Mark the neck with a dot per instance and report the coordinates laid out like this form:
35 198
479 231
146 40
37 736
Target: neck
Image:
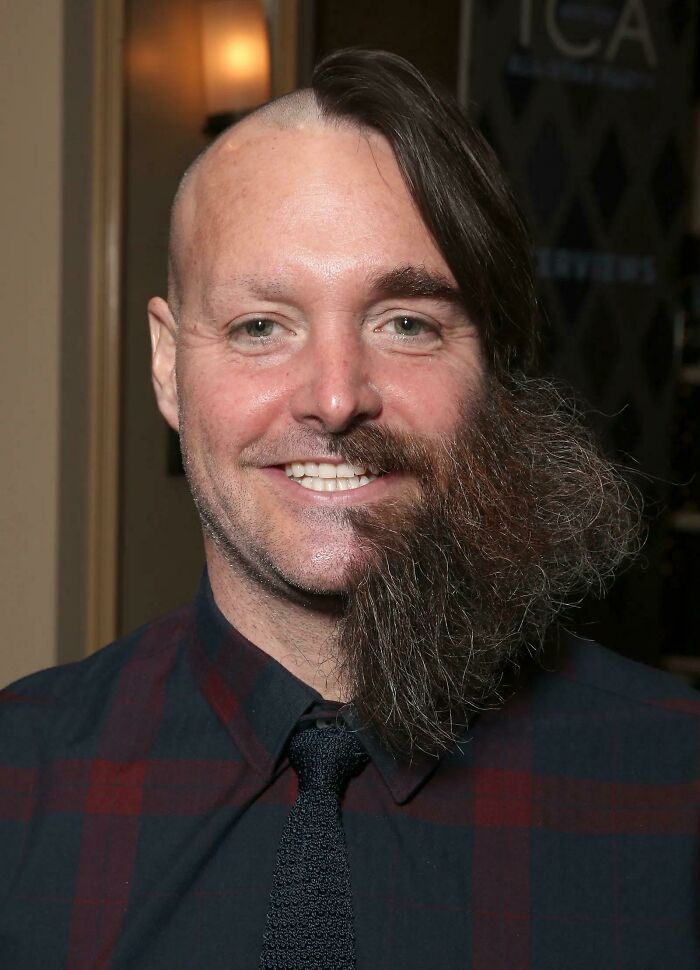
298 634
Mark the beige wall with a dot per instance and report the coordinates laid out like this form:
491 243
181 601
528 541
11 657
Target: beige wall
160 549
30 272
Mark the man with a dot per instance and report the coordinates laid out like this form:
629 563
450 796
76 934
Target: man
394 514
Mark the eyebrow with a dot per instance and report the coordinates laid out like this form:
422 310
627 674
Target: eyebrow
413 281
403 282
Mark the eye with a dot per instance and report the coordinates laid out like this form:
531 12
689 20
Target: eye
259 328
408 326
257 333
405 326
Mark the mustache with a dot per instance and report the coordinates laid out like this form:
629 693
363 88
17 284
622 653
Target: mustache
381 446
389 450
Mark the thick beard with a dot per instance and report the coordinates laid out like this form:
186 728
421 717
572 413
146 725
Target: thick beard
520 516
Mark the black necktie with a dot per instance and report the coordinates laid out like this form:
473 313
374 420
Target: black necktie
310 919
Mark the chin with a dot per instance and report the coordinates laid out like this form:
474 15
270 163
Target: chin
323 574
325 582
310 587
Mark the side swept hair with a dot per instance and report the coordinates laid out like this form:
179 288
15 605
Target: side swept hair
457 185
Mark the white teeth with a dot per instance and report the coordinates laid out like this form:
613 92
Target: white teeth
325 476
317 484
326 470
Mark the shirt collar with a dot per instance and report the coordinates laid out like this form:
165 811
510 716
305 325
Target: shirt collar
260 701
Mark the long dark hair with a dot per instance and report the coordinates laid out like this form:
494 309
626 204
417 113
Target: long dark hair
457 184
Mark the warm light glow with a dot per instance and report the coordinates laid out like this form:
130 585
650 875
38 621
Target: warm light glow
240 57
236 55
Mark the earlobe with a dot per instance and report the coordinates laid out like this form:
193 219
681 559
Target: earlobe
163 346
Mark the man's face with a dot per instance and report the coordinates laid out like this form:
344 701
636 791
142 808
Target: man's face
313 300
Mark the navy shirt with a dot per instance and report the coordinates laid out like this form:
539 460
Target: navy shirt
143 792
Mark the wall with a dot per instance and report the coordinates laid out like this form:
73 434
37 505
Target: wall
71 612
160 547
30 280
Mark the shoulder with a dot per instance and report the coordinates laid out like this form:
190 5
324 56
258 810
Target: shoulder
623 683
593 713
53 707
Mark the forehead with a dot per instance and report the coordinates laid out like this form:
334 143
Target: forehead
277 200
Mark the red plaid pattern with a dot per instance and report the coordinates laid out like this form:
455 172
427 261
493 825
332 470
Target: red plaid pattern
143 792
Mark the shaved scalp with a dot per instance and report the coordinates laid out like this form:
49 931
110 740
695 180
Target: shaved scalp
300 109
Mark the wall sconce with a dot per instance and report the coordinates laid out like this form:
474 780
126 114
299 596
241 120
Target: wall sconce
236 59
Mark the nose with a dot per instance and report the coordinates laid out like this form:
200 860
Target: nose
335 389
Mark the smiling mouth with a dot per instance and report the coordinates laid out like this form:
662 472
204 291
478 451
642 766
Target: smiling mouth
327 477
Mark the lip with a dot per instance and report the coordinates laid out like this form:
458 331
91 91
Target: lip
318 459
371 492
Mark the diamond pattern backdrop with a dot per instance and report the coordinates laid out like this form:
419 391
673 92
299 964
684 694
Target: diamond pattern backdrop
588 106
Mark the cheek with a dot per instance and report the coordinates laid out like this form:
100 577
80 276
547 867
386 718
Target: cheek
429 399
231 407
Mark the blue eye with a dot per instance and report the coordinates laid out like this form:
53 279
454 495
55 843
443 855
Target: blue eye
408 326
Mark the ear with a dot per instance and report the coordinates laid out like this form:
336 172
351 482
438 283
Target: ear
163 342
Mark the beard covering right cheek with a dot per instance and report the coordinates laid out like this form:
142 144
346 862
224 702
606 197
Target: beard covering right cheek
519 516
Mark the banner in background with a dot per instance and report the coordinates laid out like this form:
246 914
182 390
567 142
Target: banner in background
588 106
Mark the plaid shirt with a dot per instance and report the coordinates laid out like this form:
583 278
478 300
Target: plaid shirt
143 792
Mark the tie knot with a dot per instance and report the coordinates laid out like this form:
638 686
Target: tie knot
326 758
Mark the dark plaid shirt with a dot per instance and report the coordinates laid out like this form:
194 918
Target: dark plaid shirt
143 792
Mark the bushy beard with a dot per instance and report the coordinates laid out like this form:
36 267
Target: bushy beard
519 516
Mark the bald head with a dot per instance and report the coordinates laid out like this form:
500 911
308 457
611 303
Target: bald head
298 110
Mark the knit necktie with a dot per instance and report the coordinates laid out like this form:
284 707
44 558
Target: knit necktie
310 919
